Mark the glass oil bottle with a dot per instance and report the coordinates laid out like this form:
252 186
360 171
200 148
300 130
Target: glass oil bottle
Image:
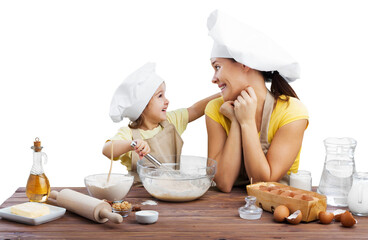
38 186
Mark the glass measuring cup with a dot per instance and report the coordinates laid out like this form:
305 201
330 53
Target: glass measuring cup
358 195
338 170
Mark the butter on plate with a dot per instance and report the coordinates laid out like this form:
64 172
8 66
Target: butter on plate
30 210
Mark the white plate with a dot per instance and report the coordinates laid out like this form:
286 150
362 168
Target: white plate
55 213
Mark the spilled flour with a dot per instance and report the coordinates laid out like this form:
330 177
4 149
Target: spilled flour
149 202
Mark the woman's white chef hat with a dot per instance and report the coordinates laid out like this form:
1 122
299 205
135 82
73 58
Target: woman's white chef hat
233 39
133 95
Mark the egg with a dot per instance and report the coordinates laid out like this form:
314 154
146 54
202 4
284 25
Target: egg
295 218
325 217
263 188
276 191
270 188
286 194
347 219
297 192
304 197
338 214
280 213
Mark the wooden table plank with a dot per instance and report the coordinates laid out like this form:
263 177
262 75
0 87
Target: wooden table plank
214 216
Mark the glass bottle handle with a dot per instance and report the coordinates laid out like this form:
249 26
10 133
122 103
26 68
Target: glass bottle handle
44 156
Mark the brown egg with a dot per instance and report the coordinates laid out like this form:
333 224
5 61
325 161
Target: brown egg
338 214
263 188
347 219
292 194
325 217
295 218
280 213
304 197
297 192
276 191
273 188
308 198
286 194
299 196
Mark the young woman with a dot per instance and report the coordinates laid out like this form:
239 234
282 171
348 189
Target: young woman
253 133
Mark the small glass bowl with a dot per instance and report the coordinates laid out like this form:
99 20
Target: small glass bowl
123 213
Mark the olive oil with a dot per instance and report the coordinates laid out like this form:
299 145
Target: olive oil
38 186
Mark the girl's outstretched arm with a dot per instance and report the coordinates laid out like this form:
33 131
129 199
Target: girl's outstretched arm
197 109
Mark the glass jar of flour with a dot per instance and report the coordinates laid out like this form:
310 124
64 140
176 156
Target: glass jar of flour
302 180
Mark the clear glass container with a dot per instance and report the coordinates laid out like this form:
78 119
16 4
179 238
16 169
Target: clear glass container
302 180
338 170
250 211
358 195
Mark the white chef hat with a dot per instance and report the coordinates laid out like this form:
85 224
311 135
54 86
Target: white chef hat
133 95
233 39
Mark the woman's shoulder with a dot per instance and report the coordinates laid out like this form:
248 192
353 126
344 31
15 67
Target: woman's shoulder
289 109
290 104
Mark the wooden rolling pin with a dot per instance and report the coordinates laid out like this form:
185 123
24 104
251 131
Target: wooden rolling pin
86 206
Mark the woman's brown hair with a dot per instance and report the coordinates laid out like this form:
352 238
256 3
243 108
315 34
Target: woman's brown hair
279 86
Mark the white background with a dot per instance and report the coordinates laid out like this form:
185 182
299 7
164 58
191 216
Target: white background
61 61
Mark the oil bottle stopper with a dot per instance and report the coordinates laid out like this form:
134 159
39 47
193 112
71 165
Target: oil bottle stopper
37 145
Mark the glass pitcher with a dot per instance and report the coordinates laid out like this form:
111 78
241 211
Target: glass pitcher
337 175
358 195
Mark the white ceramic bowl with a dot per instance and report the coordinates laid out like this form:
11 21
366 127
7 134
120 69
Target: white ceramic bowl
146 216
182 182
115 190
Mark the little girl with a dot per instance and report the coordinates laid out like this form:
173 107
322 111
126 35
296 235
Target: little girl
141 98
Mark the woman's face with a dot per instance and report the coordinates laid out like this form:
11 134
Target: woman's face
155 110
229 76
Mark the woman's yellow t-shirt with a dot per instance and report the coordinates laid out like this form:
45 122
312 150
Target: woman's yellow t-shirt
179 118
284 112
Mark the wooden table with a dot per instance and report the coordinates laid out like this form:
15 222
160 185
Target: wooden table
213 216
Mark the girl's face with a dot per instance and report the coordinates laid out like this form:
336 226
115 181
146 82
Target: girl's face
229 76
155 111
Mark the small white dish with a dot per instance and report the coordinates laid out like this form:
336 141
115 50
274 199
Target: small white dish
146 216
55 213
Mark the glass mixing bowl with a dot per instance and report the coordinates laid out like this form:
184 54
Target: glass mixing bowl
115 190
175 182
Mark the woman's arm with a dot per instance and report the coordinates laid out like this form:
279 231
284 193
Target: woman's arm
284 147
281 155
226 150
197 109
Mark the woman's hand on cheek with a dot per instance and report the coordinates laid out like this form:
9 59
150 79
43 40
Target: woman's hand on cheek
245 106
227 109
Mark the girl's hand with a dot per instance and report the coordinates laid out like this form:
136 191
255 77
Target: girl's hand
227 109
245 106
142 148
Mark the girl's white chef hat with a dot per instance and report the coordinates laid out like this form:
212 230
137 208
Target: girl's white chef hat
233 39
133 95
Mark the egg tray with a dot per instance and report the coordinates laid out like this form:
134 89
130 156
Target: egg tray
272 194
